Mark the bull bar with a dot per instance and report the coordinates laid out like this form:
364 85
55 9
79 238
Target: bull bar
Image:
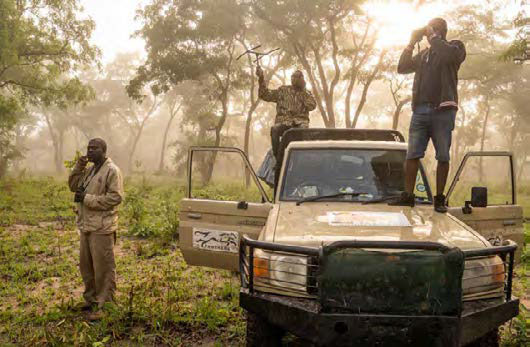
314 314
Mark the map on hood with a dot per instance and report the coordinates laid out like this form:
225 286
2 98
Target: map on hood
365 219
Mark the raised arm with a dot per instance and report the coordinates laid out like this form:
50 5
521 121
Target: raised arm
408 63
264 93
113 195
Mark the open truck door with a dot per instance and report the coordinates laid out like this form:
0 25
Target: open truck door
489 205
212 224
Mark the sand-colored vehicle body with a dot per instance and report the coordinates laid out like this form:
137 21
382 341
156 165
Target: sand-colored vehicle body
212 234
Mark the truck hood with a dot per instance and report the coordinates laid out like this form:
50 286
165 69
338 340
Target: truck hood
316 223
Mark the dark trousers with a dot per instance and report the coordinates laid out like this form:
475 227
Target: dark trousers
277 133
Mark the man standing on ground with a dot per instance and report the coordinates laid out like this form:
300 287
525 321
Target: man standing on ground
293 104
98 192
434 104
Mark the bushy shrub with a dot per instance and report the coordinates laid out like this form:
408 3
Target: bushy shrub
136 214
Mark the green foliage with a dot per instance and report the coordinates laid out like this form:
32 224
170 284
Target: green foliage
69 164
35 200
42 44
186 41
160 300
517 49
228 192
137 214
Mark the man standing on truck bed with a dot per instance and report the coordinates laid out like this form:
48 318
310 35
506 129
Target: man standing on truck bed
434 104
293 104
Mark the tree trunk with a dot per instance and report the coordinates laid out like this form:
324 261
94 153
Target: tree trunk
397 112
459 147
522 165
367 84
164 140
59 153
3 167
347 100
248 126
57 141
483 139
218 128
315 88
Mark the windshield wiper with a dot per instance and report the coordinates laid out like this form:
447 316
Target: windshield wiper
394 197
383 199
336 195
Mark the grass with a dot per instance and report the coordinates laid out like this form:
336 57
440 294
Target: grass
159 301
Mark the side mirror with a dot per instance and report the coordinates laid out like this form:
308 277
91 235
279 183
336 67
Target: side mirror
479 197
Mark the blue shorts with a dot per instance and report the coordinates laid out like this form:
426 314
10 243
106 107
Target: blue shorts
430 123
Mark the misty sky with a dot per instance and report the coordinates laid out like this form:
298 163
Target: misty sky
115 21
114 25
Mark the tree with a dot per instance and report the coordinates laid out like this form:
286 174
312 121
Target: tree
41 44
8 121
253 100
191 40
330 43
173 102
397 84
58 122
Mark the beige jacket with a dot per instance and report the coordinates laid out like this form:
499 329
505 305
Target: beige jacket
99 211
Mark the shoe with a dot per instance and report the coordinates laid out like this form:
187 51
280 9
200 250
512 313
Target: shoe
406 199
97 315
439 203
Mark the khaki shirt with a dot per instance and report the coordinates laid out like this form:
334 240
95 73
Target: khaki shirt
99 211
292 105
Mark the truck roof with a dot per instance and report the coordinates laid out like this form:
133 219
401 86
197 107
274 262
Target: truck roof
348 144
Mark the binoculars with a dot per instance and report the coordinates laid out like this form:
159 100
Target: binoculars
78 193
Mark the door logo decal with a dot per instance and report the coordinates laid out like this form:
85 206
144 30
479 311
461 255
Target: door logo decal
216 240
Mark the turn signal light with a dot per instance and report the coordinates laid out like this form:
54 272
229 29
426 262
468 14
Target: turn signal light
261 267
498 272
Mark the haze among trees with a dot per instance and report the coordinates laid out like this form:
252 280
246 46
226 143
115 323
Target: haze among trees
189 88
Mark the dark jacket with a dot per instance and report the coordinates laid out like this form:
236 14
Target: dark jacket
448 56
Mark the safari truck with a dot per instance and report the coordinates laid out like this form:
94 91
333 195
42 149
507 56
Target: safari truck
329 261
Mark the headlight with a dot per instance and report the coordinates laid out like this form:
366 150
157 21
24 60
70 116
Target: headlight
288 272
285 274
483 277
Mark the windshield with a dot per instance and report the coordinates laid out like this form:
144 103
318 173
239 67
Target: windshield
318 172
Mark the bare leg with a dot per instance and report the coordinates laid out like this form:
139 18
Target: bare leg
442 171
411 171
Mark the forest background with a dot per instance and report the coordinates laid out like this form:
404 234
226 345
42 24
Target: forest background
177 83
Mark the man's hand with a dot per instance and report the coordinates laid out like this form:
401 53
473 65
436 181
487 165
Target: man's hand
82 161
79 196
429 31
259 72
416 36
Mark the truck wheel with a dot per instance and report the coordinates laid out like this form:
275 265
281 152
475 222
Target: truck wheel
261 333
491 339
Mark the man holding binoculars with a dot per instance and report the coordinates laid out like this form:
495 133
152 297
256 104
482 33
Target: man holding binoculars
434 104
98 192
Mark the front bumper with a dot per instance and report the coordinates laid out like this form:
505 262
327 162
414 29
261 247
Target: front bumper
304 318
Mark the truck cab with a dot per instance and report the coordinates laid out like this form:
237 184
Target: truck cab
327 259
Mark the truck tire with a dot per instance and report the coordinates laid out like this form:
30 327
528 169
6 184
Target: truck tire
491 339
261 333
